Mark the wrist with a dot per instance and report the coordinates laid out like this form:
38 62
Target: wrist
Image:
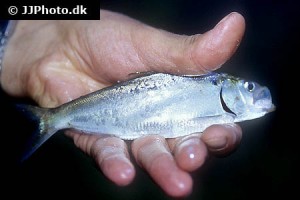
26 48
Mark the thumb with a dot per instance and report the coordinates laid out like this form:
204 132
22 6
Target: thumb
193 54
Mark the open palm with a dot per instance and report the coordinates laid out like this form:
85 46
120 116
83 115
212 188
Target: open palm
62 60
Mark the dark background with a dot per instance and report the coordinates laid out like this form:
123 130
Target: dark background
264 165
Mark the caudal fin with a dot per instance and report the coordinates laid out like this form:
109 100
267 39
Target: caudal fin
42 118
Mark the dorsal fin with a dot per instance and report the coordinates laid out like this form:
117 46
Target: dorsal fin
140 74
209 74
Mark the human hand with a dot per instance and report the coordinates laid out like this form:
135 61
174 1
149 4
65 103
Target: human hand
62 60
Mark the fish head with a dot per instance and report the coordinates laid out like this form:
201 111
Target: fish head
246 99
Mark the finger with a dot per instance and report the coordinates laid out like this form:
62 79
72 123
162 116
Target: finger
222 139
192 54
110 153
143 48
190 152
152 153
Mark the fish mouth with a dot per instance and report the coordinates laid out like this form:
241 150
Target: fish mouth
271 109
263 100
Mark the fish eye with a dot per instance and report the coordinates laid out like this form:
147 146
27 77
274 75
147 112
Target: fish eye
249 86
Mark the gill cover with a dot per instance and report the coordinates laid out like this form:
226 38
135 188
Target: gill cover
232 96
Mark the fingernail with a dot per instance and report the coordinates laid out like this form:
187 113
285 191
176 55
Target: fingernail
217 143
191 154
190 146
237 131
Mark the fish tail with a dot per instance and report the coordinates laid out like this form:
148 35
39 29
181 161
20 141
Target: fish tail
41 117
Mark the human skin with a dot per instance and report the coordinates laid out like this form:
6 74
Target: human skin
58 61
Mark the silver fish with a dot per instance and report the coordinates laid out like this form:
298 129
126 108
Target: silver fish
155 103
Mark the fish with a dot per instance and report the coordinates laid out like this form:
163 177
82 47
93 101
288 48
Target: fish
154 103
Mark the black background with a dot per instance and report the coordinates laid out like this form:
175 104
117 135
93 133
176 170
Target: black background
264 165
